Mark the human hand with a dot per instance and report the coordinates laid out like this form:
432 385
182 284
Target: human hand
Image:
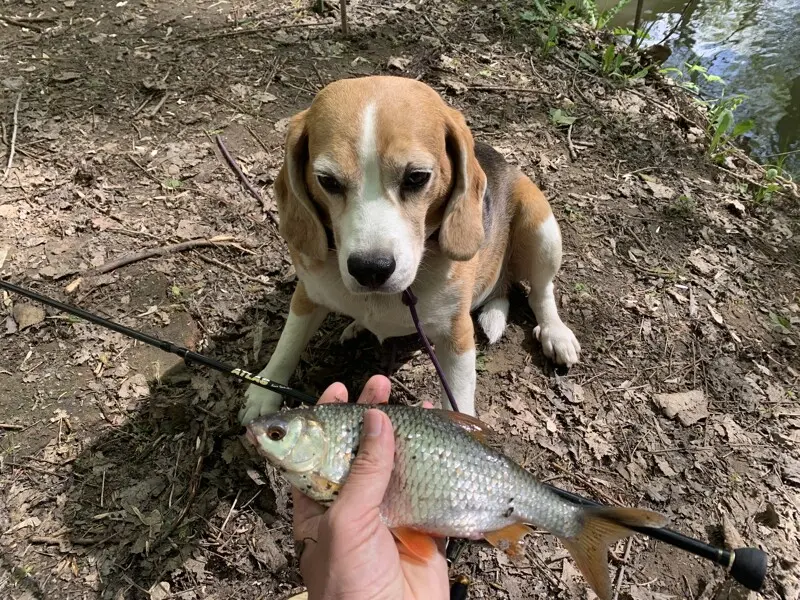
347 551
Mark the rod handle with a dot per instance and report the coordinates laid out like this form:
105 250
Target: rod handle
749 567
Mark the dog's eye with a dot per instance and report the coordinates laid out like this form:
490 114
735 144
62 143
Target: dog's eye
276 433
415 180
330 184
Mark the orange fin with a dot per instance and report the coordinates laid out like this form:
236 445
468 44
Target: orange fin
509 538
479 430
601 528
415 543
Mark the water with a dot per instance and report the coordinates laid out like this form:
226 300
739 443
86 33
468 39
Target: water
753 45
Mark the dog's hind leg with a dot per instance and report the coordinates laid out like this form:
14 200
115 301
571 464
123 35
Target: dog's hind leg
536 257
493 317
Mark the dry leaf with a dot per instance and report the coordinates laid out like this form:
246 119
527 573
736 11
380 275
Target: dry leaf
66 76
598 445
663 465
160 591
396 62
660 190
715 315
27 314
731 536
689 407
134 387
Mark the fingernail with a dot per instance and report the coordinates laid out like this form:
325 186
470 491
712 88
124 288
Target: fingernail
373 423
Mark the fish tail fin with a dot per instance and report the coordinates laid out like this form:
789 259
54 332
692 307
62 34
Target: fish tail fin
601 527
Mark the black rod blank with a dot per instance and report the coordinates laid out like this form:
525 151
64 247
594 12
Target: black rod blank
185 353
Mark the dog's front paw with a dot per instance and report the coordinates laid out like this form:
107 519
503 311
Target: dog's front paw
351 332
558 342
259 402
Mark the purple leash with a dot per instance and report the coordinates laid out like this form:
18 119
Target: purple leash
410 300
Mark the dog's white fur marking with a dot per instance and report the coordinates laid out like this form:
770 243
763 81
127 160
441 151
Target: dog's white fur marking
351 332
558 341
493 318
372 222
294 338
459 369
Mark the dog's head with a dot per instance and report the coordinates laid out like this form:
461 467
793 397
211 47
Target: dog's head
384 163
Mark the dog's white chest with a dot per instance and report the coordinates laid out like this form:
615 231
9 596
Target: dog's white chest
385 315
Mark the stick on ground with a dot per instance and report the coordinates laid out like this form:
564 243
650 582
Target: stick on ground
222 240
13 145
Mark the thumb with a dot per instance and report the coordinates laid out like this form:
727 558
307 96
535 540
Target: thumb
372 468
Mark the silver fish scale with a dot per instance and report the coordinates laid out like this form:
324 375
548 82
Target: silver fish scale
445 481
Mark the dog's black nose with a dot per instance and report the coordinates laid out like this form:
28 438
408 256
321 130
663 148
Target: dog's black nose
371 270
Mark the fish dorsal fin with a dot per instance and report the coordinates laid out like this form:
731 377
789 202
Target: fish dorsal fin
472 425
509 538
415 543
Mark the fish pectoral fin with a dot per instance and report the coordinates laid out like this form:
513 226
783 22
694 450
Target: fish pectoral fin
509 538
601 528
415 543
475 427
324 486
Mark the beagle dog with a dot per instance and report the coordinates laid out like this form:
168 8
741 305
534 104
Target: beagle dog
383 188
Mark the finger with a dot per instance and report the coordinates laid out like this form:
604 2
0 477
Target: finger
427 404
335 393
371 469
376 391
305 516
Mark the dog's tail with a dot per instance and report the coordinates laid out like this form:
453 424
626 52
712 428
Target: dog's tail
492 318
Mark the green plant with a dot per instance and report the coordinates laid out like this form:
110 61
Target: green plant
612 62
560 118
683 207
769 183
722 125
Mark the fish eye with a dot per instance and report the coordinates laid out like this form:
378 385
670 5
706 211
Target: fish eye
276 433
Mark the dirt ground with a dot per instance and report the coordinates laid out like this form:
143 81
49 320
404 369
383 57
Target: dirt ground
121 473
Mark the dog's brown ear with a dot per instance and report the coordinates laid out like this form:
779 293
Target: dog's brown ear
300 224
461 233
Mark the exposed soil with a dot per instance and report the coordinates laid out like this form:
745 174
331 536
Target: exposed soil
121 473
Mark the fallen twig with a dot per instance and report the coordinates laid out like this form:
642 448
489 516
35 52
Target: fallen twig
227 518
219 263
11 427
13 145
222 240
621 572
236 169
24 23
243 178
57 541
343 11
506 88
264 29
573 154
194 483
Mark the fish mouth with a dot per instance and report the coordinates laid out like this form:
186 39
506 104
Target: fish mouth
251 437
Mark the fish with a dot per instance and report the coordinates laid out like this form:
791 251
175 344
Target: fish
447 481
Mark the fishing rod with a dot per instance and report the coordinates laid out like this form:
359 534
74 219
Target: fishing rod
748 566
185 353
